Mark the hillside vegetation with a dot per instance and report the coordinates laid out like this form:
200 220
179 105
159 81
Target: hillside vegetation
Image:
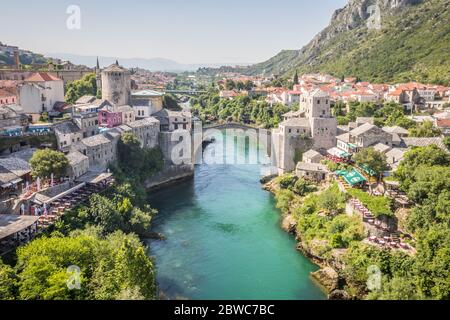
412 44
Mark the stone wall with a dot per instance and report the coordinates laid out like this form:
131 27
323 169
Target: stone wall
170 174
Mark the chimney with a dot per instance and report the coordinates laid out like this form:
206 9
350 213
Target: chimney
16 59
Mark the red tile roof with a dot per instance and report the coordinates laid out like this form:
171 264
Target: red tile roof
443 123
7 93
41 77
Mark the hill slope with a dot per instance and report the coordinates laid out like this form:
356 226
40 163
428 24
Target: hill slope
412 44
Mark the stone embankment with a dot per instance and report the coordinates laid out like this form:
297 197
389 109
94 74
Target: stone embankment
169 175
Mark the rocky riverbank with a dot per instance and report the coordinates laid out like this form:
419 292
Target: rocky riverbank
329 276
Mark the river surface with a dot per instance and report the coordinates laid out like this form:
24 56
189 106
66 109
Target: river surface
224 240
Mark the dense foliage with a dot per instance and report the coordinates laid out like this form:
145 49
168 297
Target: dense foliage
134 162
424 175
211 108
78 88
389 114
378 205
423 274
170 102
425 130
46 162
108 268
322 224
373 159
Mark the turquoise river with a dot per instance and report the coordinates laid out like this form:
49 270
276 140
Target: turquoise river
224 241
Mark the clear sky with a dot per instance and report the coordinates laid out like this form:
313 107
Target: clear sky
188 31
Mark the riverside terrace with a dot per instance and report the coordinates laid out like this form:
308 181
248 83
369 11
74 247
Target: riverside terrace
17 230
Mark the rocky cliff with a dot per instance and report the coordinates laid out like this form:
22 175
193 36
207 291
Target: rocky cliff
378 40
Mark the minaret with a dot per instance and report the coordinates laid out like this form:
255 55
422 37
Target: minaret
98 77
16 59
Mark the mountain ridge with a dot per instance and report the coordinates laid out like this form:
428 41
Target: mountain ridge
152 64
411 44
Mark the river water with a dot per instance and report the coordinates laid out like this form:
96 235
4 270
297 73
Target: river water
224 240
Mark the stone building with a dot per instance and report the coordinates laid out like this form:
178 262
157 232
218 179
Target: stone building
147 131
12 117
87 123
78 164
174 120
368 135
67 134
127 113
146 102
312 156
100 151
116 85
312 171
313 127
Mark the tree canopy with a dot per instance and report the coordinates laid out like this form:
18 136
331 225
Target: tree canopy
425 130
78 88
46 161
108 267
372 158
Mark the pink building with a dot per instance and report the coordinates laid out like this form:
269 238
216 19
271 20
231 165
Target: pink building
109 118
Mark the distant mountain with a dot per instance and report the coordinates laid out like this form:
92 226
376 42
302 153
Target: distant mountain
152 64
413 43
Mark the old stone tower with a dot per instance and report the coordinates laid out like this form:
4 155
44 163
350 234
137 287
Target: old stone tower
116 85
313 127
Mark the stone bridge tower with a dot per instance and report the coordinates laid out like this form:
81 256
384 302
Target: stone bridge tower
116 85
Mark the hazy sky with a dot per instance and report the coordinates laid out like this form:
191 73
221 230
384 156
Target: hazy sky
188 31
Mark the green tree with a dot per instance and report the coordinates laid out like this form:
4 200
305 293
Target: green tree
170 102
296 78
45 162
78 88
302 187
430 156
425 130
8 282
373 159
331 200
447 142
108 267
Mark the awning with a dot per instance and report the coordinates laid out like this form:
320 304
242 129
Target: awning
338 153
12 224
368 170
353 177
16 181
